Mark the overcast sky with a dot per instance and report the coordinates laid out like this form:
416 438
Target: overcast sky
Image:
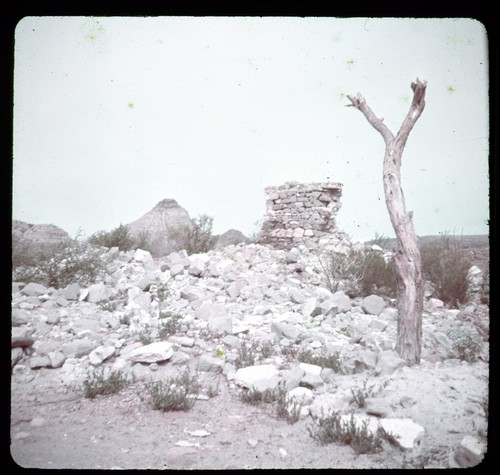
114 114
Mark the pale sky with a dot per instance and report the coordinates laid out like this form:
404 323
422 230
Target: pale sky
114 114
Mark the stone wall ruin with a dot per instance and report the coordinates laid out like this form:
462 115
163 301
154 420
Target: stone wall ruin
303 213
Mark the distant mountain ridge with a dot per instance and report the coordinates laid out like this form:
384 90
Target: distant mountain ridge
473 241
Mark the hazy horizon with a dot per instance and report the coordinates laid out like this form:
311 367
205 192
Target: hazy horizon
114 114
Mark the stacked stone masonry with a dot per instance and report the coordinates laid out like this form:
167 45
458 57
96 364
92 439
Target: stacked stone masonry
303 213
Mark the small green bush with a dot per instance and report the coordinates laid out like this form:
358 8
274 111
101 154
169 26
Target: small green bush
360 395
119 237
333 429
174 394
245 356
100 382
145 336
57 265
254 397
286 409
446 265
197 238
323 359
170 324
466 343
359 273
160 290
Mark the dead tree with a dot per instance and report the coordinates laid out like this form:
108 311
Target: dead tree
407 260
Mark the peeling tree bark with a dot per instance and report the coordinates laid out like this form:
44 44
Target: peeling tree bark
407 260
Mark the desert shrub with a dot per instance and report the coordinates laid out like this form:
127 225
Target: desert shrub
360 395
100 382
359 273
323 359
379 276
446 265
174 394
245 356
119 237
342 271
466 343
286 409
160 290
170 324
334 429
197 238
57 265
254 396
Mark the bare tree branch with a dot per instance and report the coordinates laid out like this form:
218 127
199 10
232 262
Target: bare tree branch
407 256
360 103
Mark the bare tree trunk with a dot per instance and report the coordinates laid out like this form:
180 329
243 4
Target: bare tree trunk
410 293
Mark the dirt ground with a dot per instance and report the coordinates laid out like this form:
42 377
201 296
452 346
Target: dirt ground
54 427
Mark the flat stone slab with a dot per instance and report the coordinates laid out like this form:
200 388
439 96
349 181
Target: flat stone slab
152 353
406 432
250 375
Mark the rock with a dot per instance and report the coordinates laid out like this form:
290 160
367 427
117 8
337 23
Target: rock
176 269
71 292
56 359
326 404
100 354
252 442
250 375
143 256
78 348
98 293
179 357
210 363
341 301
152 353
19 317
37 362
291 377
21 341
85 324
38 422
470 452
232 340
433 304
373 304
16 355
329 307
377 406
389 313
181 340
34 289
216 315
234 289
300 395
356 330
388 361
407 433
62 302
311 308
196 268
297 296
191 293
286 330
378 325
138 299
363 360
